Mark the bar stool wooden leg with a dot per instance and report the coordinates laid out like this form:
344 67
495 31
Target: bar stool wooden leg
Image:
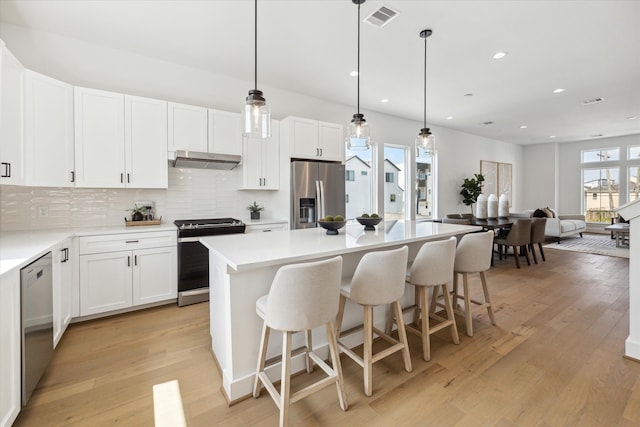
285 379
424 308
337 367
487 299
449 307
402 337
264 340
338 325
309 344
467 304
368 349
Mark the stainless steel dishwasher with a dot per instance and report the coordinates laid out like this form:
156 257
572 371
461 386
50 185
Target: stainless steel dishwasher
36 296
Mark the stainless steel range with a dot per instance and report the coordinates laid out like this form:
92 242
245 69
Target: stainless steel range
193 257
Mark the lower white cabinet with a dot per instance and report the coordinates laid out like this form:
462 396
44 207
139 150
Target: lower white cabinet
9 347
64 263
262 228
125 270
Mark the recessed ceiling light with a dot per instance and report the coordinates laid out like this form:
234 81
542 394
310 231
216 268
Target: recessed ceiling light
552 136
487 123
592 101
450 118
468 94
523 127
353 74
559 90
384 100
499 55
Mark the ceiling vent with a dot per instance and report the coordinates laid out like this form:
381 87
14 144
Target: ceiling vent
592 101
381 16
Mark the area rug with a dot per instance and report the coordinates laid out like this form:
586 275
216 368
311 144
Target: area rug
599 244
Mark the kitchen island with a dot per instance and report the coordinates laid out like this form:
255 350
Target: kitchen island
242 267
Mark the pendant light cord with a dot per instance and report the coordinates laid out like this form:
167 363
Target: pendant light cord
358 58
255 52
425 82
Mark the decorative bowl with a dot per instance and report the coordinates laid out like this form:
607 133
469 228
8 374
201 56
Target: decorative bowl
369 223
333 226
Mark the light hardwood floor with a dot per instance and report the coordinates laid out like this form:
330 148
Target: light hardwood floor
554 359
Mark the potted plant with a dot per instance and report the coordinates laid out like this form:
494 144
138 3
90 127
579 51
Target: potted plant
471 189
255 210
137 213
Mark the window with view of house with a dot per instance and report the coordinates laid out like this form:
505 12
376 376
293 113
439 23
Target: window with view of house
395 160
424 185
358 183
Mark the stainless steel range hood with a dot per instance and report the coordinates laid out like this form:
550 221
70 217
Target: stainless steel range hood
193 159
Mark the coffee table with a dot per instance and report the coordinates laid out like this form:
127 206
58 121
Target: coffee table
621 233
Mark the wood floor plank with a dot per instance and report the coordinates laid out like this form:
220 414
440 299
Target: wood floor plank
554 358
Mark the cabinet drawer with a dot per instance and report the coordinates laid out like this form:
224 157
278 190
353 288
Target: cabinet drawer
121 242
265 228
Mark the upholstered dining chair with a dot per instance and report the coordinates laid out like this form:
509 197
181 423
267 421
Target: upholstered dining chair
519 237
537 236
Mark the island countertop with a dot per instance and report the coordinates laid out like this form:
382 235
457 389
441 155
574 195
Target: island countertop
251 251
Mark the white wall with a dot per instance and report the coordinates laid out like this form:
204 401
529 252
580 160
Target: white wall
540 180
86 64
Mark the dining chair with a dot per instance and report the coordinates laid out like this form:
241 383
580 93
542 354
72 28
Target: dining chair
518 237
537 236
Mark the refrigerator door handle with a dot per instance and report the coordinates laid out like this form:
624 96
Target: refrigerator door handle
319 207
322 205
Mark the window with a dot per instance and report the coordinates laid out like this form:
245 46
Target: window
346 198
388 176
364 173
424 187
604 187
395 201
350 175
392 198
634 183
601 155
634 152
358 192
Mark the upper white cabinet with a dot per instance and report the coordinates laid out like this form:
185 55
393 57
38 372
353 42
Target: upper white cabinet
187 127
48 131
312 139
121 141
225 133
261 161
11 118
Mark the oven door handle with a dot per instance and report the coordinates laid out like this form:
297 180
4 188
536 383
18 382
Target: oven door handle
188 239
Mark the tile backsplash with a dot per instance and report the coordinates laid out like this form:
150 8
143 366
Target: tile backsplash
192 193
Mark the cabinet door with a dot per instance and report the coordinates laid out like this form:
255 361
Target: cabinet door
155 275
271 159
252 163
303 137
331 141
187 127
225 134
11 119
99 134
105 282
62 273
10 393
48 132
145 142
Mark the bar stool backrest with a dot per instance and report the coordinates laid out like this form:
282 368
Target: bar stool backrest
433 264
474 251
304 296
380 277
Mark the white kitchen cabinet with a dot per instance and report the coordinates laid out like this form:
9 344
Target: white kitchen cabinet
265 228
187 127
10 393
120 141
145 128
225 133
261 161
48 131
126 270
63 282
11 118
312 139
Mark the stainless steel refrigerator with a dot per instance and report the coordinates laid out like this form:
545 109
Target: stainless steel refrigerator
317 190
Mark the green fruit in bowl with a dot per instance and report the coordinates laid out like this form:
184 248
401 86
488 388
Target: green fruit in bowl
364 215
338 218
328 218
375 215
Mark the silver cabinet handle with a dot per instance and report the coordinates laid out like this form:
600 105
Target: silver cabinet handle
128 179
128 261
132 241
7 170
135 260
73 176
122 178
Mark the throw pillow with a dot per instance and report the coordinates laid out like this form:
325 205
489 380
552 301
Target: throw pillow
539 213
554 214
548 212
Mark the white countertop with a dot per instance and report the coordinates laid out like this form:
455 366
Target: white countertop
19 248
248 251
264 221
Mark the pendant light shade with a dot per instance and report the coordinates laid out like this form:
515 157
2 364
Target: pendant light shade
358 138
256 114
425 142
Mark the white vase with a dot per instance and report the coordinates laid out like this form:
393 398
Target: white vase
481 207
492 206
503 206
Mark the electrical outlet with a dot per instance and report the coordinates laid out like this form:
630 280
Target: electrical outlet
43 211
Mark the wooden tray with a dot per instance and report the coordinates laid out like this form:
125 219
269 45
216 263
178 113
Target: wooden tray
138 223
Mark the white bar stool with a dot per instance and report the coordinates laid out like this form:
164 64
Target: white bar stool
302 297
473 255
379 279
432 268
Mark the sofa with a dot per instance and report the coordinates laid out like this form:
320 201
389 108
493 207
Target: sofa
558 226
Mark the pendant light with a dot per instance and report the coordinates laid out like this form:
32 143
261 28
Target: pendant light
358 128
256 114
425 142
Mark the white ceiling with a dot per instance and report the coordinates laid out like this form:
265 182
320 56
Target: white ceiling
591 48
